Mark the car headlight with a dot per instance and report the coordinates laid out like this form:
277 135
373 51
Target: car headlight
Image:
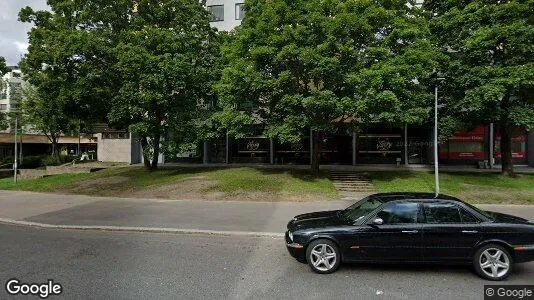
290 235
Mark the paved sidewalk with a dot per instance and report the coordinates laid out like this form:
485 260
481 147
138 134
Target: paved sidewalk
258 217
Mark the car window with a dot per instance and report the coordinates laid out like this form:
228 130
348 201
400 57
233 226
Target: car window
468 217
484 213
438 213
361 209
399 213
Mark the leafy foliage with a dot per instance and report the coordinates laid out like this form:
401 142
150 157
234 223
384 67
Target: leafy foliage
3 69
45 115
488 59
316 64
138 64
165 61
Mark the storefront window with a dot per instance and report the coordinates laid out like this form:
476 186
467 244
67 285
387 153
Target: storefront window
465 146
251 149
293 153
379 148
519 146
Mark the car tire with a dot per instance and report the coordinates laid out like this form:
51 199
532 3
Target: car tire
302 260
323 256
493 262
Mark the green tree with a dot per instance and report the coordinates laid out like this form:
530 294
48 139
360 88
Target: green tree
41 111
3 67
165 61
301 64
3 70
71 49
488 60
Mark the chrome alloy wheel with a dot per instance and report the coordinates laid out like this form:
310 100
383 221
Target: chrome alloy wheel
494 262
323 257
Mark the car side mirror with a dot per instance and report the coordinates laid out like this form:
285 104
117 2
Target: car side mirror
378 221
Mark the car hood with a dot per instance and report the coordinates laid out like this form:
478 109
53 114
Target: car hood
315 219
505 218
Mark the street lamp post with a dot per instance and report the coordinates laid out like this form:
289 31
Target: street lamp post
436 157
15 165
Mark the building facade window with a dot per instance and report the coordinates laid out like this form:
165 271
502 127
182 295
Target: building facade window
239 11
115 135
216 13
3 107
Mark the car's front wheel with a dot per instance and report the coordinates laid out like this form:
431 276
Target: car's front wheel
493 262
323 256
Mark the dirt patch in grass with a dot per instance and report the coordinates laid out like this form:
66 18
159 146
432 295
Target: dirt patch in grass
189 188
237 184
198 188
97 185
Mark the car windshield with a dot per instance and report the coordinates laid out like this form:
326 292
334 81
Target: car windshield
360 209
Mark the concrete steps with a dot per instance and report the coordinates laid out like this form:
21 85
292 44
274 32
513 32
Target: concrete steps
352 185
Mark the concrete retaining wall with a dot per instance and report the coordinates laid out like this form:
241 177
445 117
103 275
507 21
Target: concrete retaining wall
38 173
114 150
6 173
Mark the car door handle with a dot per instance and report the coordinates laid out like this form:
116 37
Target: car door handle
469 231
410 231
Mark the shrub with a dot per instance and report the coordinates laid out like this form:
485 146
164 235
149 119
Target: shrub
51 161
31 162
8 160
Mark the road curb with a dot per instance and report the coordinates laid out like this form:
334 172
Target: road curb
141 229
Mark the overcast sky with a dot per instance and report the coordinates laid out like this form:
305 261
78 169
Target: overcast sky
13 34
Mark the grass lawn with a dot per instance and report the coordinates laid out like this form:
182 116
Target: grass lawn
214 184
253 184
471 187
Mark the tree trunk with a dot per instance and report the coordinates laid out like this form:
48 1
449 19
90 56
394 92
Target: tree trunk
506 150
55 148
506 137
144 149
316 157
155 155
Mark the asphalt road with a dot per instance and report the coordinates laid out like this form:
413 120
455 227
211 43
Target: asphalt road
258 216
128 265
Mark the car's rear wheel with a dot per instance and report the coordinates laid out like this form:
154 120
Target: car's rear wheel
493 262
323 256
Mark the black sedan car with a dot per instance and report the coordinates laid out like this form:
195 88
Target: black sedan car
412 227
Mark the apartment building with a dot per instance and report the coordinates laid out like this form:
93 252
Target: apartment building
226 14
30 141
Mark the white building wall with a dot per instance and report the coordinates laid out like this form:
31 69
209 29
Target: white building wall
229 21
13 77
6 95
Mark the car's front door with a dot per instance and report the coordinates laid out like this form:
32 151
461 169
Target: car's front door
398 238
449 232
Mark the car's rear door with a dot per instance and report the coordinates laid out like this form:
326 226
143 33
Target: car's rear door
397 239
446 237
